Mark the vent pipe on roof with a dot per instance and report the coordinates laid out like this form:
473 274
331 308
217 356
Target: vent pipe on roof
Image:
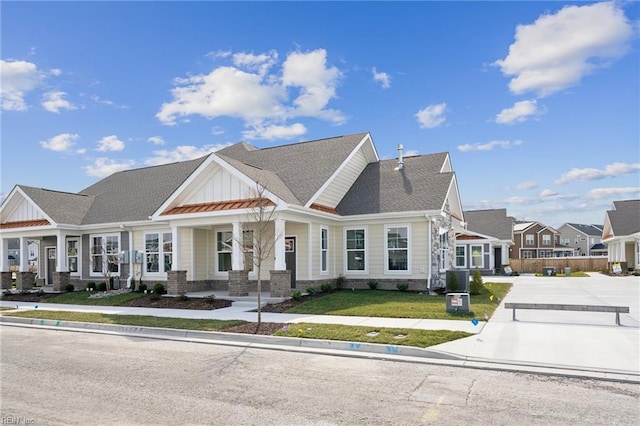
400 165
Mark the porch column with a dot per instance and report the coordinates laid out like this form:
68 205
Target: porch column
24 254
4 255
505 254
61 248
236 248
280 264
176 237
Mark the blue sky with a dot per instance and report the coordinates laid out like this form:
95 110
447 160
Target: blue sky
538 103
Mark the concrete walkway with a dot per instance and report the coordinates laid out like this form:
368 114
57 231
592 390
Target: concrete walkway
542 341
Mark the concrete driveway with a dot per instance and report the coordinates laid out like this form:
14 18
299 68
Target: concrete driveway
562 339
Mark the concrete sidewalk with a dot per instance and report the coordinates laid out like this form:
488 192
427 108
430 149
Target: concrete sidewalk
576 343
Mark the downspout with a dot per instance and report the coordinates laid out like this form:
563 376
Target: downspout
131 255
429 252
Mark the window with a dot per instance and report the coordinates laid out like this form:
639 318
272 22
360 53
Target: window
443 257
72 255
528 239
158 256
477 260
541 254
546 240
461 257
224 248
247 249
397 246
104 254
526 254
356 249
324 250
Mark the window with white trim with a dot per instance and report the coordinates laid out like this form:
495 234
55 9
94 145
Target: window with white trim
104 254
528 239
461 256
397 248
443 256
324 250
247 249
73 250
546 240
527 254
356 249
541 254
158 248
224 248
477 257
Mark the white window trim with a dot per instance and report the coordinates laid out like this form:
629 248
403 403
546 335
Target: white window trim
464 257
546 239
364 271
253 272
161 272
217 270
78 255
104 237
325 271
386 249
481 266
526 239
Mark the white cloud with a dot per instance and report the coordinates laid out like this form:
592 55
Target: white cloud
383 78
110 143
181 153
55 72
624 192
547 193
557 50
156 140
103 167
489 146
100 100
518 113
432 116
249 91
54 102
526 185
60 143
275 132
17 78
611 170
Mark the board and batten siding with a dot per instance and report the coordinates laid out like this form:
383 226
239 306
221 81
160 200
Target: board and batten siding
24 211
216 184
336 190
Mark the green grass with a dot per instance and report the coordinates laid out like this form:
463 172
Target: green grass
395 304
137 320
5 308
412 337
82 298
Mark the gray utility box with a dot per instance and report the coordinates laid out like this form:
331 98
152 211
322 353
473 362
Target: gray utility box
458 302
549 271
462 276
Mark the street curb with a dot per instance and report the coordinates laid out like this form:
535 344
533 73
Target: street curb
327 347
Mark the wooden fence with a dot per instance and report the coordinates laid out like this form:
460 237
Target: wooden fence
583 264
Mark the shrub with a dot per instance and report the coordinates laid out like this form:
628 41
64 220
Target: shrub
158 288
476 282
155 296
211 299
311 290
373 284
326 287
452 281
339 282
69 288
102 287
183 296
91 285
296 295
142 288
402 286
133 285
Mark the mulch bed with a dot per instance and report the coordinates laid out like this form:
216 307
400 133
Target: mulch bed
166 302
27 297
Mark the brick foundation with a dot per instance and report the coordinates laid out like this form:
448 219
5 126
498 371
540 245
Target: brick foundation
60 281
25 280
176 282
6 282
239 283
280 284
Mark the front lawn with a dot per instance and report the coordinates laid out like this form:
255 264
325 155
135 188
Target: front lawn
397 304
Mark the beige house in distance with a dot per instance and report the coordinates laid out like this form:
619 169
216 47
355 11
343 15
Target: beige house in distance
339 211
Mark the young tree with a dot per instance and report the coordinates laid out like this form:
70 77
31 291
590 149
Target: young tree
105 260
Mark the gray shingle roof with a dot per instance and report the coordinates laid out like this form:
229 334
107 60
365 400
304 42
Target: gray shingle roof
382 189
63 207
302 167
625 218
133 195
587 229
491 222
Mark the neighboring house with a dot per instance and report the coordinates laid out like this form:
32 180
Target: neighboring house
621 234
583 240
486 241
340 211
534 240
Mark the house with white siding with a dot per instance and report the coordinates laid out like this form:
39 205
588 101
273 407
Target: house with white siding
338 211
621 234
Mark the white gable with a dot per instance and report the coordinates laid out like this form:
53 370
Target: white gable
215 184
20 209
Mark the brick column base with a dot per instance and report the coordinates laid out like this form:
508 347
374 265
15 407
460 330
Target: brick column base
60 281
6 282
238 283
25 280
280 285
176 282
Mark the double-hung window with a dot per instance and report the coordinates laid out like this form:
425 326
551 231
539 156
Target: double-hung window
73 250
104 254
397 248
461 256
443 255
158 251
546 240
528 239
477 257
224 246
324 250
248 250
356 249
